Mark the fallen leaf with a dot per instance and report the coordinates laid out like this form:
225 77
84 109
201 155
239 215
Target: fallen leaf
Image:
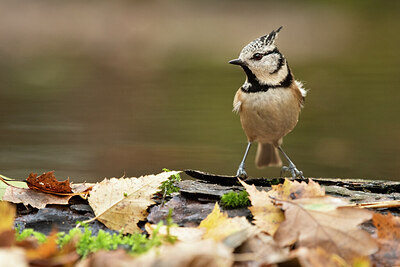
388 230
266 215
45 250
183 234
34 198
201 253
7 233
81 188
48 183
121 203
314 222
218 226
290 190
7 215
310 257
104 258
261 249
13 256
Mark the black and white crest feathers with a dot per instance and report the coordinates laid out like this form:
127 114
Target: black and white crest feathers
263 41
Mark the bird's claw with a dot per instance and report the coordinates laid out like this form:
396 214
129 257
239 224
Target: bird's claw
241 173
293 170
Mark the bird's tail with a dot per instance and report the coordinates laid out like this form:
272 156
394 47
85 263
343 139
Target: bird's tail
267 155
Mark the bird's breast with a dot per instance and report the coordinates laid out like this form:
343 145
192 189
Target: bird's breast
268 116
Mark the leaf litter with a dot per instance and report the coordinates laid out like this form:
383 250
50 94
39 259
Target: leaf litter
293 223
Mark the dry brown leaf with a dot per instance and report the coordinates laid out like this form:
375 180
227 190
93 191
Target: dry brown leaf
13 256
104 258
266 215
291 190
81 188
218 226
45 250
34 198
310 257
201 253
314 222
388 230
183 234
121 203
48 183
262 249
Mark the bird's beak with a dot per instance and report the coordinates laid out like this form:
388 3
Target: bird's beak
236 62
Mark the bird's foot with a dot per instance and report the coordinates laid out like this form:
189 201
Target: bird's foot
293 170
241 173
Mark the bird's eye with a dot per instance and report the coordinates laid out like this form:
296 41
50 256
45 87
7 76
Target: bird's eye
257 56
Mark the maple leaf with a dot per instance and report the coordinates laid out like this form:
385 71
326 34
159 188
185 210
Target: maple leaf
267 216
388 230
218 226
48 183
34 198
323 222
121 203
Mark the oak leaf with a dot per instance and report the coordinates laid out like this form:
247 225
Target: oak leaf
322 222
388 230
121 203
48 183
218 226
267 216
34 198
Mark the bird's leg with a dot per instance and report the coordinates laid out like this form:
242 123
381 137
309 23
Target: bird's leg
292 168
241 173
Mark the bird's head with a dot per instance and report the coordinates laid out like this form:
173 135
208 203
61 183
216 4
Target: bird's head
262 61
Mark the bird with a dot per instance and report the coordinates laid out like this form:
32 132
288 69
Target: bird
268 103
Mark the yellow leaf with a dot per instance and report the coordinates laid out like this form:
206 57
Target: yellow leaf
121 203
184 234
218 226
7 215
266 215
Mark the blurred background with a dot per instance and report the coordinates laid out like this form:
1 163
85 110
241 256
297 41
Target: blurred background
95 89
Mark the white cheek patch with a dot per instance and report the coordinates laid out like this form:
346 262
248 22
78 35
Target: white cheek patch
300 85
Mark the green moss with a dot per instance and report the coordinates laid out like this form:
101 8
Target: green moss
233 200
22 235
168 187
87 243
